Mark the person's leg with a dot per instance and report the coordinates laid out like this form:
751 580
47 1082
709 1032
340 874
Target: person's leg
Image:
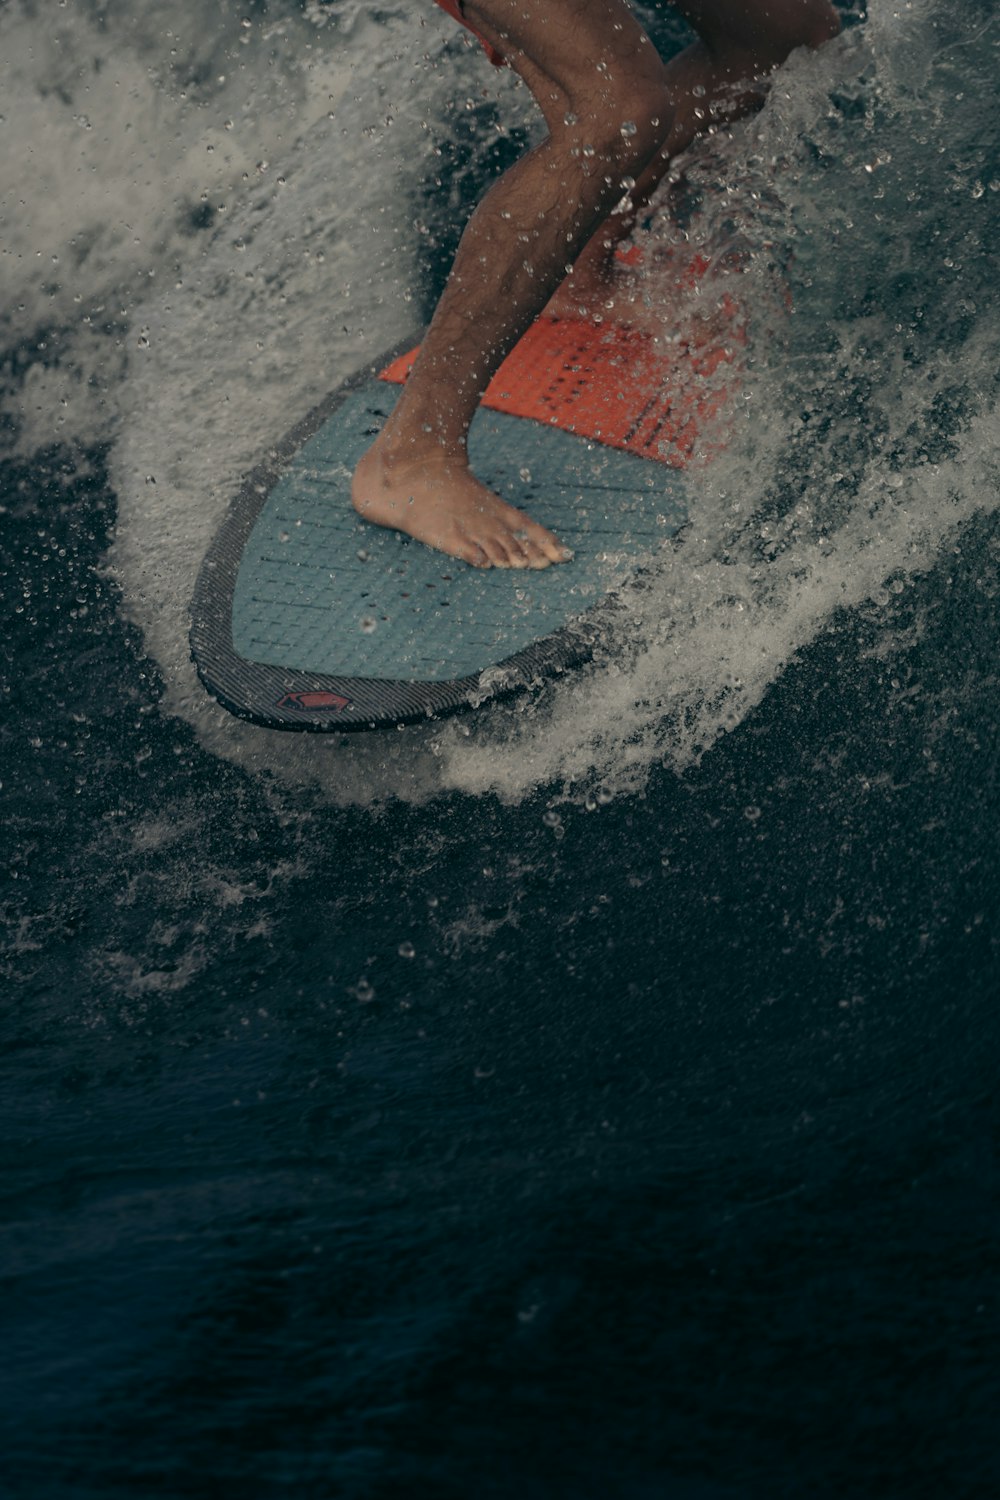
720 77
612 109
600 86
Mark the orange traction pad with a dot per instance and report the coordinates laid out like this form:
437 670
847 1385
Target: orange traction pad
616 384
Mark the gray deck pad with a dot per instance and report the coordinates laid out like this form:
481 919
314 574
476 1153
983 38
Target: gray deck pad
307 617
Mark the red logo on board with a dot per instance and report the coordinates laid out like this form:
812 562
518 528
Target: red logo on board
314 702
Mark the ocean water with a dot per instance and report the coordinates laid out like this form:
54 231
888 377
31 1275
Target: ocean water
590 1097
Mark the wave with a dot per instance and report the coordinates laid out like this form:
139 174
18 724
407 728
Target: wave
237 216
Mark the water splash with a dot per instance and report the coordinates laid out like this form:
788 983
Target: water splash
237 209
868 435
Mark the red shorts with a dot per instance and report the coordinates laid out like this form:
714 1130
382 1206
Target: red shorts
454 9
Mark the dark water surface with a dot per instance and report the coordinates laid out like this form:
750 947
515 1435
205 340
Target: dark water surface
608 1138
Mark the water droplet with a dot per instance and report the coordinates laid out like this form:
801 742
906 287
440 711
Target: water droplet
629 127
363 991
571 119
751 814
406 950
977 189
362 555
551 818
524 474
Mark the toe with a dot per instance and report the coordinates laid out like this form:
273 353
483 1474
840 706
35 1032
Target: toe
537 557
495 550
550 547
518 548
469 551
538 545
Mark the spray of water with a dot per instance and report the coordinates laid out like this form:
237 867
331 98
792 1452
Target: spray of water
866 427
216 226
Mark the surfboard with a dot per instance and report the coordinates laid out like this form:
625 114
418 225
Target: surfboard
306 617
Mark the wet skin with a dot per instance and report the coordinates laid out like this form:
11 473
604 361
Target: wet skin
616 117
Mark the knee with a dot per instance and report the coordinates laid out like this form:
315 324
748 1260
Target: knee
803 23
627 125
766 38
640 120
820 23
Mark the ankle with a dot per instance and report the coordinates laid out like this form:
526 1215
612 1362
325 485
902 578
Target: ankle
398 450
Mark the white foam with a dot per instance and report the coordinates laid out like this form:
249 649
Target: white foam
222 338
314 276
136 139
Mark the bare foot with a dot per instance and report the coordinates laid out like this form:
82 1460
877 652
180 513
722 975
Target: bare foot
439 501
